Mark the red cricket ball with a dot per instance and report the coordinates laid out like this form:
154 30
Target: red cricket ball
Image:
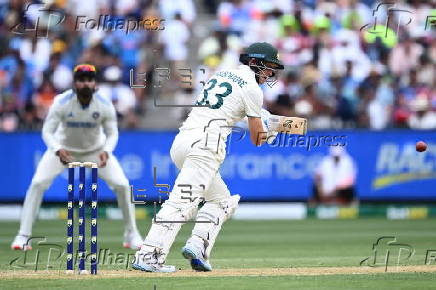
421 146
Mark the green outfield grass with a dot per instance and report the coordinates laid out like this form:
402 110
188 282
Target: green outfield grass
242 245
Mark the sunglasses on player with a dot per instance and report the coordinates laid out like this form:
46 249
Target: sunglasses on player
84 68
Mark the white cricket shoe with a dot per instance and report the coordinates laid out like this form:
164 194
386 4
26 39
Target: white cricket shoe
148 262
194 251
132 240
21 242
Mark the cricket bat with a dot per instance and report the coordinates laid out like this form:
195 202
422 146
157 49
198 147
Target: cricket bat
289 125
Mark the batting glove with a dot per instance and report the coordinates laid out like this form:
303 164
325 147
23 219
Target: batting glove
270 125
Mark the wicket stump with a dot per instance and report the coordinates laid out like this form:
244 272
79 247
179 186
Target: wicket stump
70 216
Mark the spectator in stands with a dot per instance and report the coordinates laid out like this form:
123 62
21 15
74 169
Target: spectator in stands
219 49
295 47
122 97
21 85
185 8
44 97
426 72
335 178
410 87
58 73
422 116
89 8
280 98
310 106
378 114
126 48
29 120
401 113
36 51
235 15
174 39
349 85
404 56
377 100
9 114
345 108
265 26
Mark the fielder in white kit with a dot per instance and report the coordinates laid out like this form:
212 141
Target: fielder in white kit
199 150
81 126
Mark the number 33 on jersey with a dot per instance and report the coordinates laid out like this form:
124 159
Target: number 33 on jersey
219 96
228 95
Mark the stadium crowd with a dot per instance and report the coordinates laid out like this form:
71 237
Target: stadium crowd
349 64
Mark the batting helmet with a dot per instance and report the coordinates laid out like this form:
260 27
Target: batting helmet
262 51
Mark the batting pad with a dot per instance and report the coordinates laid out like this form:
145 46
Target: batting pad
210 219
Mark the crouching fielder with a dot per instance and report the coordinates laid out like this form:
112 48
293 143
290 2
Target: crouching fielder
199 150
81 126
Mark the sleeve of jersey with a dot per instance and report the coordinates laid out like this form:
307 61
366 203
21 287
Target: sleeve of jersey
111 130
253 102
54 117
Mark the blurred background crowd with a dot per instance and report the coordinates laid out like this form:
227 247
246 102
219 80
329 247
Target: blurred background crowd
348 63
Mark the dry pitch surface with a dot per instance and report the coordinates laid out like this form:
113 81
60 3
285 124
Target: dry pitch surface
303 271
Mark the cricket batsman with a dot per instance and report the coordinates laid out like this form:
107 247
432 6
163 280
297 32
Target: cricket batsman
81 126
198 151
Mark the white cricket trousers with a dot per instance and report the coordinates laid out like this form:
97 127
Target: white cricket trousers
199 161
50 167
199 166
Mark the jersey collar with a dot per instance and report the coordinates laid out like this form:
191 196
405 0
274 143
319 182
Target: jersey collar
248 69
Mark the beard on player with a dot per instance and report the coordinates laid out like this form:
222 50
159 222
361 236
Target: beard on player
84 82
85 94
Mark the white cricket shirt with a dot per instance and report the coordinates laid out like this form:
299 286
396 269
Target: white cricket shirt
80 129
228 96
